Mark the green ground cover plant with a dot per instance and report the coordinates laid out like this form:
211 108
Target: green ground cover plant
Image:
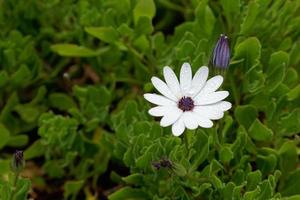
72 78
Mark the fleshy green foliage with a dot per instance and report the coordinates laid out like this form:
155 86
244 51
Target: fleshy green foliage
72 77
18 192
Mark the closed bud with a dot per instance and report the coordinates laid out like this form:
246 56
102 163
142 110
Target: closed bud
221 54
18 162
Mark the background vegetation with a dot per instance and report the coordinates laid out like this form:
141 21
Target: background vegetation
71 83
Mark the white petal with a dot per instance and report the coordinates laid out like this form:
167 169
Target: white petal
170 117
204 122
224 105
178 127
160 111
212 85
172 81
209 111
189 119
158 99
210 98
198 81
185 78
163 88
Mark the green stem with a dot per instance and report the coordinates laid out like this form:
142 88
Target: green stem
139 56
234 90
134 51
14 186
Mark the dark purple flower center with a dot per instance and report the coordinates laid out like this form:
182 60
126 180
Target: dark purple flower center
186 104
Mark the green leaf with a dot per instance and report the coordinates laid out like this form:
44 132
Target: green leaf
144 161
40 95
239 144
225 154
212 168
288 156
21 77
3 78
61 101
294 197
142 43
4 135
280 91
255 79
203 187
185 50
205 17
291 77
217 182
6 117
277 58
250 19
292 184
253 179
73 50
289 124
294 93
53 169
276 69
105 34
295 53
249 50
128 193
144 8
18 141
131 111
158 41
27 112
180 170
260 132
144 26
59 132
5 190
230 6
72 188
23 187
128 157
136 179
252 194
201 146
5 166
266 190
228 190
36 149
267 163
286 44
239 177
237 191
228 124
245 115
125 30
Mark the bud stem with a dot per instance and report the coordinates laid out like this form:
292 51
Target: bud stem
234 90
15 185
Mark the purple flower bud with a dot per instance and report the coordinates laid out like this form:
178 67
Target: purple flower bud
156 165
18 161
221 54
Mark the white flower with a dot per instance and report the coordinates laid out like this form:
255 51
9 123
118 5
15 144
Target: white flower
190 103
